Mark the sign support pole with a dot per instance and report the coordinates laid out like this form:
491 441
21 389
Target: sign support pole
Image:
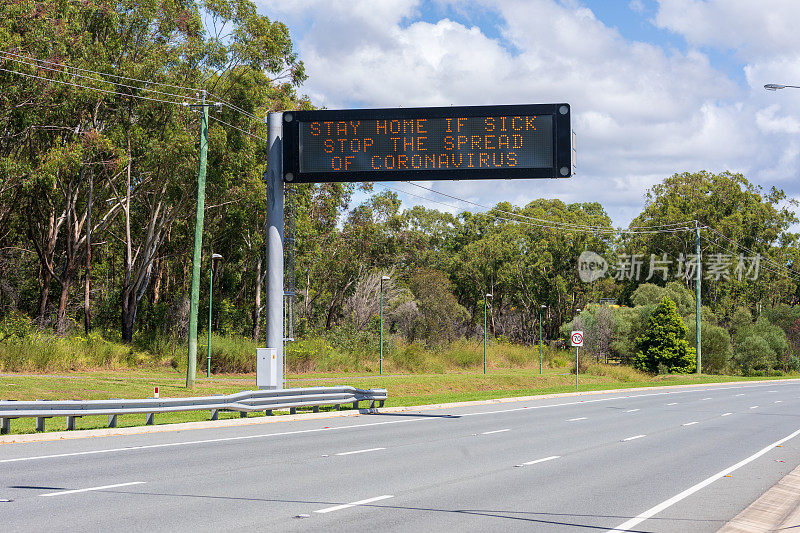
577 368
274 291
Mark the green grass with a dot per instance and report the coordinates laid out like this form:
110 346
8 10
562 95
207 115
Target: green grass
404 389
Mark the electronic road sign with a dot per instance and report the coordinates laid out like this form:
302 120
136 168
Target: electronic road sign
432 143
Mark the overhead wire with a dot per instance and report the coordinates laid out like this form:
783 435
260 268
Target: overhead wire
79 86
34 62
190 89
212 117
766 267
792 272
100 80
542 222
570 225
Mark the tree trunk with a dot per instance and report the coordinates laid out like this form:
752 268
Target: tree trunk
62 305
45 294
128 317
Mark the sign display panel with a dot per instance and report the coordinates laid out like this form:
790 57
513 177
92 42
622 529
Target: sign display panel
525 141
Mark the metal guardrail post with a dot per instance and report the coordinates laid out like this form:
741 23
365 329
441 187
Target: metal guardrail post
5 426
150 419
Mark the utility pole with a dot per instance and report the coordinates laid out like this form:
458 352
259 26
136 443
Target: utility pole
191 367
697 305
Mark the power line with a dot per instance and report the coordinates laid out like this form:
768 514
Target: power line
565 224
240 129
64 66
751 252
90 88
101 73
96 79
546 223
786 273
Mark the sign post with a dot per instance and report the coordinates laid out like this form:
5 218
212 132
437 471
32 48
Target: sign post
576 338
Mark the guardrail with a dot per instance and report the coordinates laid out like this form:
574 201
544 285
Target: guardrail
243 402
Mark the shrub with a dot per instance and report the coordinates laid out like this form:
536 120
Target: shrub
664 342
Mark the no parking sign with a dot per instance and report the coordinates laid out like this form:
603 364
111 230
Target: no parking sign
576 338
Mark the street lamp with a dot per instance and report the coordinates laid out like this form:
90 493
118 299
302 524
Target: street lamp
485 326
776 86
210 301
540 337
383 278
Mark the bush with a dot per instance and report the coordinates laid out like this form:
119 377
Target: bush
664 342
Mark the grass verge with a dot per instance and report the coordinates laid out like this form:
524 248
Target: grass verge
404 389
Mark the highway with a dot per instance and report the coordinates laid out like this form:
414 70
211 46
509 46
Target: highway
665 460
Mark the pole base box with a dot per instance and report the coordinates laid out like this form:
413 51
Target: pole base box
267 368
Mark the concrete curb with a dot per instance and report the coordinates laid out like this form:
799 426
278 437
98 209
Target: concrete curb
776 510
209 424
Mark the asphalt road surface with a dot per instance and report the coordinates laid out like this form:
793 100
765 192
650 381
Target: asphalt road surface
666 460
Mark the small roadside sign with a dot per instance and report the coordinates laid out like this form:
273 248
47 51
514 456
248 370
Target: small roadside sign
576 338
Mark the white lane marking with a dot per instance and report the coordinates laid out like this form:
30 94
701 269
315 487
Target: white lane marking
353 504
104 487
631 410
690 423
754 407
740 394
360 451
778 401
772 391
352 426
726 414
576 419
634 437
542 460
703 399
633 522
495 431
673 403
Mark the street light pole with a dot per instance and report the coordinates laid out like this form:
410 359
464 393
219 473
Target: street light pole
540 337
485 330
577 366
380 368
210 302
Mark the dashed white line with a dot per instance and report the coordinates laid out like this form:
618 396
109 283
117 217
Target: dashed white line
360 451
726 414
633 438
673 403
495 431
104 487
576 419
690 423
631 410
353 504
540 460
633 522
778 401
742 394
754 407
703 399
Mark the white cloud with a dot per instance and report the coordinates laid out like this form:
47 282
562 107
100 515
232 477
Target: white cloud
641 112
754 29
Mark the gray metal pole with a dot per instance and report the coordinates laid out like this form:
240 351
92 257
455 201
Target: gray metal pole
577 367
697 304
274 294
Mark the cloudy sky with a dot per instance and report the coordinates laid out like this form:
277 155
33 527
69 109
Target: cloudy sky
656 86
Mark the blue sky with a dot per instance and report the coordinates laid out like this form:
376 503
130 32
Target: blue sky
656 86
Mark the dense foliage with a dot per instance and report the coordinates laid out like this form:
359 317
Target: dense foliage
97 191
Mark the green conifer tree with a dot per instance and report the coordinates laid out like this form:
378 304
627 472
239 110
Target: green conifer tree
663 346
